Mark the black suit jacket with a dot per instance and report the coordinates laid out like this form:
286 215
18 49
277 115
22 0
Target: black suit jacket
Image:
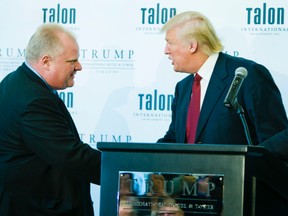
258 95
278 144
45 169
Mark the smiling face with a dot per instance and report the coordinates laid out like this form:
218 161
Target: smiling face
60 70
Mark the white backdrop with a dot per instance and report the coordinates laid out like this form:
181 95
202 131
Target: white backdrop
123 92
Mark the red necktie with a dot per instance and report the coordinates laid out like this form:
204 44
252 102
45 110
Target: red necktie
194 110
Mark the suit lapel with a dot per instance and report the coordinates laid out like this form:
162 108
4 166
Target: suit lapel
181 128
215 89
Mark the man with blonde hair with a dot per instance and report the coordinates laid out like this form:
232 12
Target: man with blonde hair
194 48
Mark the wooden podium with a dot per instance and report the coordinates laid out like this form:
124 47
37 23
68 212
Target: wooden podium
254 181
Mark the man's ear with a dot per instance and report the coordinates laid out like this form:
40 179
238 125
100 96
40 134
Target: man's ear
193 46
46 60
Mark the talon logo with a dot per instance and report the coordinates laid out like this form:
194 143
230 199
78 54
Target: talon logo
265 15
157 15
59 15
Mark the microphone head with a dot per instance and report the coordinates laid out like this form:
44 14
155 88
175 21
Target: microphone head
241 71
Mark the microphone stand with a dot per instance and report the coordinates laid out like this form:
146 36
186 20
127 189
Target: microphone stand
241 113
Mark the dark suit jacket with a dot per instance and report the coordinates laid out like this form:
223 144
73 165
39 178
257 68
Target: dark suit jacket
45 169
278 144
258 95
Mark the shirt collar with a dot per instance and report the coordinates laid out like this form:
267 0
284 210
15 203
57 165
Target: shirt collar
207 68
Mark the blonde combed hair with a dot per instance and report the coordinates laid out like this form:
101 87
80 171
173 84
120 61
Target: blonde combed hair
195 26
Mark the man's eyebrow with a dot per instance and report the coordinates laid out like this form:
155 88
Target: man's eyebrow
71 60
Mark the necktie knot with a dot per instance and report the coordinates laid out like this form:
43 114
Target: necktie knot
197 78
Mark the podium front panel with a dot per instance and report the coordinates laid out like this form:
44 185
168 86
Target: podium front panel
172 159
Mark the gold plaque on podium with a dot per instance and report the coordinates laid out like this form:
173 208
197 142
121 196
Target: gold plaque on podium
173 194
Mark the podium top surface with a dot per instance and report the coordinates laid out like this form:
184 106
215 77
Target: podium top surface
178 147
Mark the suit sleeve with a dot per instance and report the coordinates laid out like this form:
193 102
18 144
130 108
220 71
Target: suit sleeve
278 144
263 103
49 134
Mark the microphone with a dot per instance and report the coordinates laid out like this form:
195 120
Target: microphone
240 75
